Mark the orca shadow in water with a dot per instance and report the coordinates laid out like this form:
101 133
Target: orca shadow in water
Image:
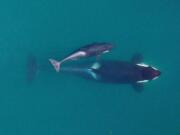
32 68
132 72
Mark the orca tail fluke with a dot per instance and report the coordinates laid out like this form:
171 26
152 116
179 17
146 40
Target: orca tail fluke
56 64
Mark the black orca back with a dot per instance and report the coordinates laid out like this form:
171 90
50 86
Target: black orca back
118 72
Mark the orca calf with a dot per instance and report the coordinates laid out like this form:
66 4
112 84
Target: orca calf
133 72
94 49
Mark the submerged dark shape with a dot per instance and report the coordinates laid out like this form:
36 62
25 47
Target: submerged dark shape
125 72
94 49
31 67
134 72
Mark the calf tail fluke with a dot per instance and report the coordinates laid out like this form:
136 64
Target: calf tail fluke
56 64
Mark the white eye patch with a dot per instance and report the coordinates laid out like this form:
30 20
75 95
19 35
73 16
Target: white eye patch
143 81
142 65
154 68
155 78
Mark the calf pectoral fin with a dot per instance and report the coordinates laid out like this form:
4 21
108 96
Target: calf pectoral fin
138 87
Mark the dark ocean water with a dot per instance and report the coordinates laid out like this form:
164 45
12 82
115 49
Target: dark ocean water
61 104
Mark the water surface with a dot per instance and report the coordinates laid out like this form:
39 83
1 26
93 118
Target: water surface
60 104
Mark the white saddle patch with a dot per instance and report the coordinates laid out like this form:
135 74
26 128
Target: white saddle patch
96 65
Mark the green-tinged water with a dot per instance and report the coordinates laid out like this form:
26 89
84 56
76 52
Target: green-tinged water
63 104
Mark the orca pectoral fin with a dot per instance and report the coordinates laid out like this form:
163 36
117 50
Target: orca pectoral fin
93 74
137 58
138 87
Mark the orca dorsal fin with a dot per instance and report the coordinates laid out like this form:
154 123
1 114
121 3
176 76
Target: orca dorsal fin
138 87
137 58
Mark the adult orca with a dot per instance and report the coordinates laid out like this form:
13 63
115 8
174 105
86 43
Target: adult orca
133 72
